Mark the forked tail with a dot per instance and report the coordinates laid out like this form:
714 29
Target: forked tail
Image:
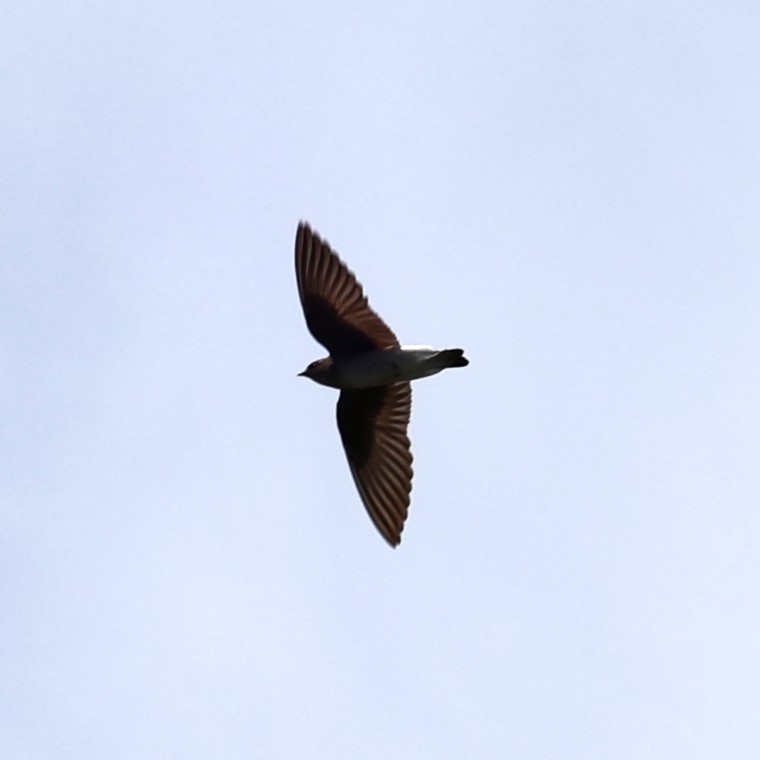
451 357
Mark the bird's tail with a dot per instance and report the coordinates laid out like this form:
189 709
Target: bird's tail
451 357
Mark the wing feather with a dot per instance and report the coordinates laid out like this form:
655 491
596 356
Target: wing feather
373 427
337 312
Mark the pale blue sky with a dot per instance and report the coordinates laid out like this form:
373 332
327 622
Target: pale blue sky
569 191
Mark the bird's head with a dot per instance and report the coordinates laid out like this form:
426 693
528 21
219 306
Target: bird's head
321 371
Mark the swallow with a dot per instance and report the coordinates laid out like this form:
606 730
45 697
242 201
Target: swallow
373 373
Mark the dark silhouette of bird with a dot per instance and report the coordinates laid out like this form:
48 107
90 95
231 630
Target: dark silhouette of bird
373 372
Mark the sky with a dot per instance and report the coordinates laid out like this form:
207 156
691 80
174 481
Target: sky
568 191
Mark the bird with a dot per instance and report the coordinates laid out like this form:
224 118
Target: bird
373 373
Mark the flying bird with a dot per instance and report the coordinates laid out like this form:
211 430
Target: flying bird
373 373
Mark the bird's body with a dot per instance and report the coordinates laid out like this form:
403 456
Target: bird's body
370 369
373 373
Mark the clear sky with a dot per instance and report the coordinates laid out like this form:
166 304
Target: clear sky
570 191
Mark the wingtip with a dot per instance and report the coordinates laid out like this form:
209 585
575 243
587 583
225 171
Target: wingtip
305 228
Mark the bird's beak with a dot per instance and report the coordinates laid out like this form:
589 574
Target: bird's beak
301 374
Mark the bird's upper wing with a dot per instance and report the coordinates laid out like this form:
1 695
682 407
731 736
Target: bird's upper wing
372 424
336 309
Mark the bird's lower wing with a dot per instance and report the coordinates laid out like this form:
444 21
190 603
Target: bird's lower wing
373 424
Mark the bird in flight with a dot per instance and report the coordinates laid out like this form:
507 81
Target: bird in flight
373 373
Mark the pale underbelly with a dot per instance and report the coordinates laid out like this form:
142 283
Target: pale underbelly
385 368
